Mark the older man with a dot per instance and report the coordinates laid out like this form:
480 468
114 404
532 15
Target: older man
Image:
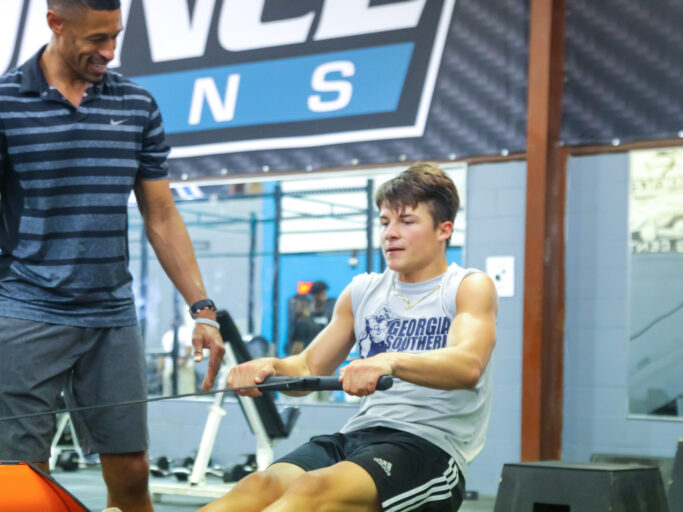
75 139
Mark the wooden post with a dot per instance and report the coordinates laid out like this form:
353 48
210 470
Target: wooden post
544 246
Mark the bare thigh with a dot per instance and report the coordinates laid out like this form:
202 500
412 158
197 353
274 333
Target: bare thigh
258 490
343 487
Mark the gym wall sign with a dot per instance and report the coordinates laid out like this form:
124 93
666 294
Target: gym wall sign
241 75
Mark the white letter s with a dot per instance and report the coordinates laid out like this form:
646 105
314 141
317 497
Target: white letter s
343 88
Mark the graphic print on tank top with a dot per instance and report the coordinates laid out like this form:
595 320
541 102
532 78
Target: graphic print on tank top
383 332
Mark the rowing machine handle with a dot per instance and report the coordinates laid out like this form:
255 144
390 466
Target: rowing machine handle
316 383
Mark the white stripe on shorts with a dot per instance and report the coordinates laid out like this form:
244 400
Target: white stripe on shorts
413 498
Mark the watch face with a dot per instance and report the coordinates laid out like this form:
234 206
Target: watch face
200 306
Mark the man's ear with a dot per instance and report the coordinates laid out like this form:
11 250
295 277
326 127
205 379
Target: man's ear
445 230
55 22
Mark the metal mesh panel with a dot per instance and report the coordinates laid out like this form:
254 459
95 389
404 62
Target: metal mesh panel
624 78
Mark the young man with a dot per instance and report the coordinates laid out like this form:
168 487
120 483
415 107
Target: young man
323 306
428 324
305 328
75 139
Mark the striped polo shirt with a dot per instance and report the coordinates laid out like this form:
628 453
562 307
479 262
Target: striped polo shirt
66 175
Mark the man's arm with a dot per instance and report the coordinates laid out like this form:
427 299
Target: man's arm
322 356
166 232
459 365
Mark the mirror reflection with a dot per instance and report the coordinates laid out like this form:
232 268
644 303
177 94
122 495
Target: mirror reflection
656 283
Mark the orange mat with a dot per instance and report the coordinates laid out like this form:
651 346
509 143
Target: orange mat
24 488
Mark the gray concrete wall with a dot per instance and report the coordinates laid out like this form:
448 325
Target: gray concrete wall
495 227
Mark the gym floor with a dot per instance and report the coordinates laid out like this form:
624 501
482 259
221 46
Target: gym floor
88 487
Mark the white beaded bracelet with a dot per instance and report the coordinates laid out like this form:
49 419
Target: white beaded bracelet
207 321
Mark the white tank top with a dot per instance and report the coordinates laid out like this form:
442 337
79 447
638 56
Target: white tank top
456 420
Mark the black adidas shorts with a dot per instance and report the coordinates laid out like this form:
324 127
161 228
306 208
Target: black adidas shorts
409 472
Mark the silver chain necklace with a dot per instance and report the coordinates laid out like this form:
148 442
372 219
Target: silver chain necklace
409 304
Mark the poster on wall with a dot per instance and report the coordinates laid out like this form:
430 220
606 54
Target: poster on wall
656 211
250 86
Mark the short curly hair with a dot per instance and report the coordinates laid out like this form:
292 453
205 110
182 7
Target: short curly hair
423 182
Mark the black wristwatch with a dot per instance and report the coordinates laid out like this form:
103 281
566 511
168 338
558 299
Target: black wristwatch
201 305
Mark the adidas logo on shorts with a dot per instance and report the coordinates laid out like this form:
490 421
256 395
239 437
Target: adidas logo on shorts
386 466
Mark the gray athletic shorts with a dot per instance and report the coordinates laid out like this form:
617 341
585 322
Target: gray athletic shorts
409 472
92 365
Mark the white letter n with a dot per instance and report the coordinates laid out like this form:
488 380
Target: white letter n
221 110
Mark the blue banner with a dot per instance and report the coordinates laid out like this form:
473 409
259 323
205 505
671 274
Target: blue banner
335 84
